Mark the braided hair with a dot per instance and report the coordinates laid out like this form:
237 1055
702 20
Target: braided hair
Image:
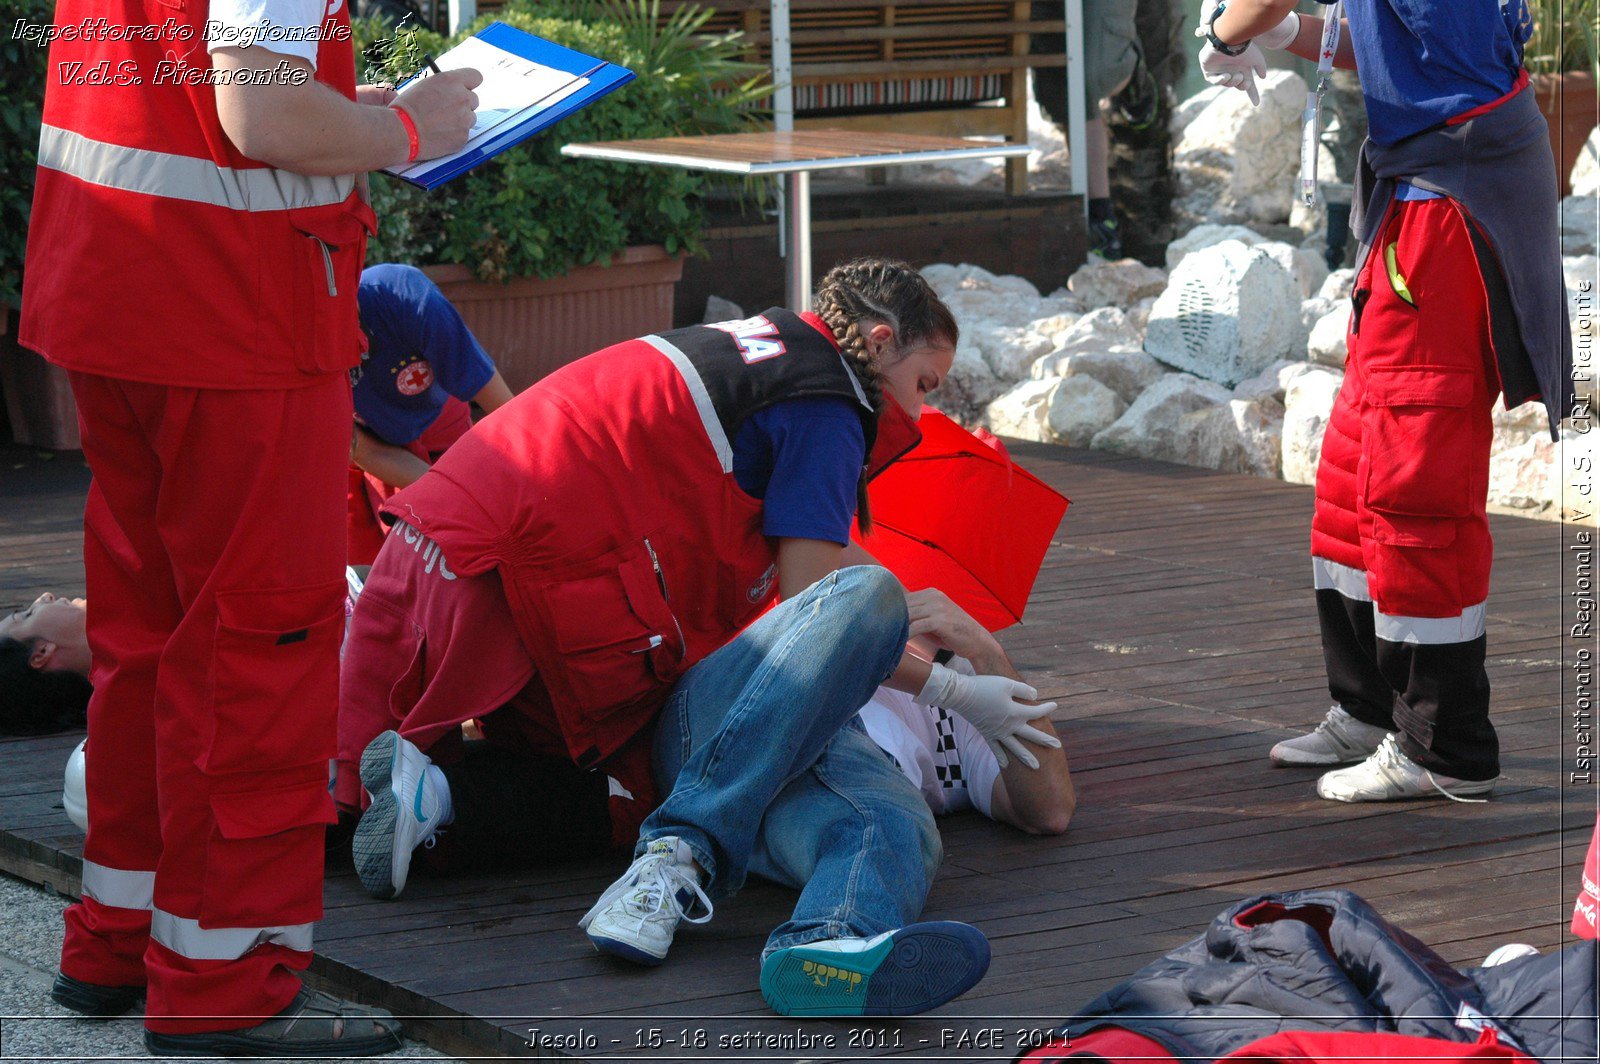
854 296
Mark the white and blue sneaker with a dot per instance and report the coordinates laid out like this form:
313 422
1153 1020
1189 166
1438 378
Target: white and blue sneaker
410 803
898 973
637 915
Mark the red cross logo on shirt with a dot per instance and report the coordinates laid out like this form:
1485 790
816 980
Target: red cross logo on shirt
415 378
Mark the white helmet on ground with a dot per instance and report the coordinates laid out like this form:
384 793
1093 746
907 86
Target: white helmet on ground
74 792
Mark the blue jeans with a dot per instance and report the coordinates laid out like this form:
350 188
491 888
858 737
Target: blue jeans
769 770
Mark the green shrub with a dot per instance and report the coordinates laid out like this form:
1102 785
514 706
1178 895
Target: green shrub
533 212
22 73
1564 36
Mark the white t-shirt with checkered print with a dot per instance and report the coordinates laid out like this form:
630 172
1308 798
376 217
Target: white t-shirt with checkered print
938 751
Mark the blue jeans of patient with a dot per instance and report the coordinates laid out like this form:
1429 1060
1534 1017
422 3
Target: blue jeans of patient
769 770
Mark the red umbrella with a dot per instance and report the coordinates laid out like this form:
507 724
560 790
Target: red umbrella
957 514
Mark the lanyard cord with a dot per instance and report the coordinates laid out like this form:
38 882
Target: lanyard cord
1311 120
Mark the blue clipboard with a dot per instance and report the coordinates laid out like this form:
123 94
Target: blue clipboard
603 78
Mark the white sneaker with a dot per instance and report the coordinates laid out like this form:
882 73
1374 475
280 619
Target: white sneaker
1338 740
1389 775
1509 952
637 915
408 808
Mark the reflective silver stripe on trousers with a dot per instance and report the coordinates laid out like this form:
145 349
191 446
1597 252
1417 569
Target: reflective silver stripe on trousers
1331 576
1431 630
183 177
187 938
117 887
702 399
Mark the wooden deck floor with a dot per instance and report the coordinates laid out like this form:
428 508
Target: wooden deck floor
1174 624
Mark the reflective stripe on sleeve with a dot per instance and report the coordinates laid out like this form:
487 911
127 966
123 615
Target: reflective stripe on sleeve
1432 631
702 399
185 177
187 938
117 887
1331 576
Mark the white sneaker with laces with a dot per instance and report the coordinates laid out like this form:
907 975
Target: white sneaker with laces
637 915
410 803
1339 739
1389 775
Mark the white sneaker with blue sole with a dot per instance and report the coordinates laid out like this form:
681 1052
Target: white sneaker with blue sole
407 810
637 915
898 973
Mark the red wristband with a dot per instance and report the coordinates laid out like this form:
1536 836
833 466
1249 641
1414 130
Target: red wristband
411 132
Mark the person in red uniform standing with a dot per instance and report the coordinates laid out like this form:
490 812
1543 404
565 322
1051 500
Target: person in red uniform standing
1458 298
196 238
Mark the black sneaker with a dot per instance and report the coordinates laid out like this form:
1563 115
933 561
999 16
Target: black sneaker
1105 239
314 1025
91 999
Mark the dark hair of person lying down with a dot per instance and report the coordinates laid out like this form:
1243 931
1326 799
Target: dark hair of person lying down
35 702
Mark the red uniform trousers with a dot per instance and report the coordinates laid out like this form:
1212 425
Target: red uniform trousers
366 494
1400 539
213 555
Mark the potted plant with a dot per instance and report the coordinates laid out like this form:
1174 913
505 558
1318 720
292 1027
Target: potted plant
1565 64
38 400
549 258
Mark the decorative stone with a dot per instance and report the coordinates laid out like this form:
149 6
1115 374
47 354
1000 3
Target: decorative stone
1313 310
1056 326
1009 351
1308 401
1579 218
1138 315
1237 162
1208 235
1306 267
1081 407
1098 283
1327 345
1271 382
1127 371
1186 112
1586 171
1153 426
1023 412
1527 476
969 386
1230 312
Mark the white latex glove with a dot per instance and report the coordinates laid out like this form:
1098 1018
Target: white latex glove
1282 35
1235 71
989 703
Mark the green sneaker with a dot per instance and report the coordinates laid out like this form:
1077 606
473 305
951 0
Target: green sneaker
898 973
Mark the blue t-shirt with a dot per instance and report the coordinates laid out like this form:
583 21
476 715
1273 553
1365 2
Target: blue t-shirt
1423 62
419 354
802 458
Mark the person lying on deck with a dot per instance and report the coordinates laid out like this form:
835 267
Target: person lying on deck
603 551
44 667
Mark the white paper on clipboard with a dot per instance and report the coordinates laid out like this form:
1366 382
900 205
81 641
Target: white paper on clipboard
514 89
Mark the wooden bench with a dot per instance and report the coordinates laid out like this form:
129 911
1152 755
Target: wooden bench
943 67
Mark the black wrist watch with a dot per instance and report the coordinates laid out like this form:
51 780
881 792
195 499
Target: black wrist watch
1217 42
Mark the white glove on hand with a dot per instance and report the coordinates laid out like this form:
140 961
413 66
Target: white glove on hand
1234 71
1282 35
989 703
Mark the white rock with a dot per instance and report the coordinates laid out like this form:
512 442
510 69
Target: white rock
1127 371
1257 445
1229 313
1208 235
1138 315
1527 476
1056 326
1270 382
1328 336
1098 283
1308 401
1008 350
1187 111
1100 330
1579 218
1586 171
1080 407
1237 162
1306 267
981 280
1338 285
944 278
1314 310
1023 412
969 386
1153 427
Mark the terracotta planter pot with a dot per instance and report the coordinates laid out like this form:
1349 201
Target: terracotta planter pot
39 403
1569 105
533 327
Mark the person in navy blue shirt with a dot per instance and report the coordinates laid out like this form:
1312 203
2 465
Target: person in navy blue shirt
1458 299
423 367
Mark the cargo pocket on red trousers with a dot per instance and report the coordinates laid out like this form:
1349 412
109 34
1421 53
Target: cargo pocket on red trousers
332 246
1412 566
1418 422
264 857
275 678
